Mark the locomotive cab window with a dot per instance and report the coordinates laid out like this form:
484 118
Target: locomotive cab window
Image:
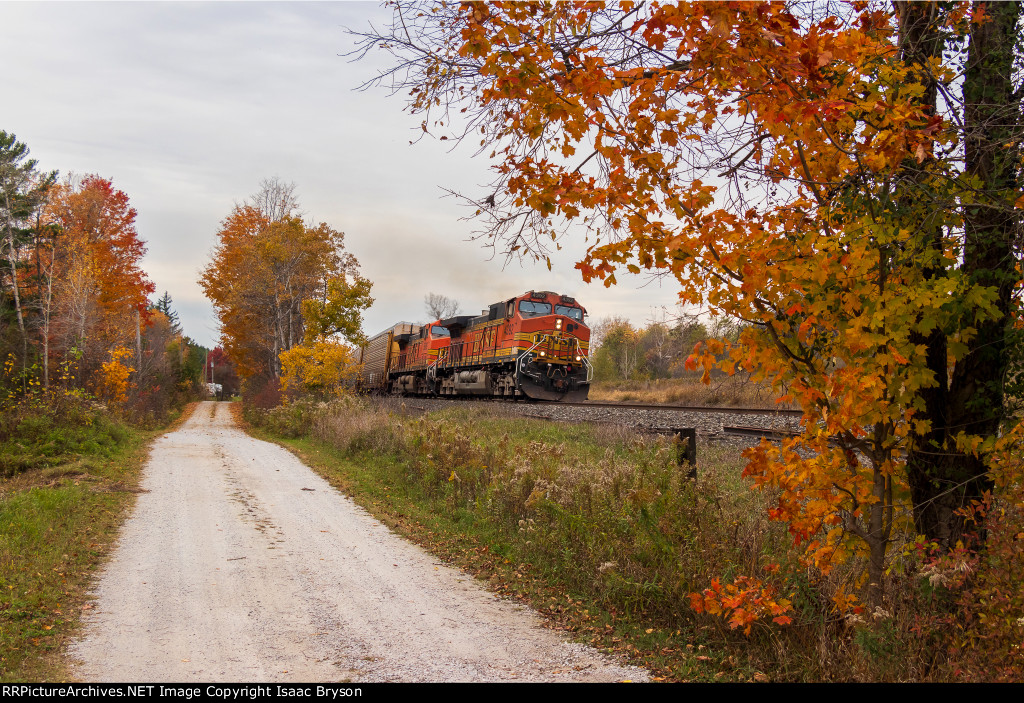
439 331
531 308
574 313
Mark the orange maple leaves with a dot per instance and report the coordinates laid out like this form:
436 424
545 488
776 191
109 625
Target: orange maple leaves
100 292
742 603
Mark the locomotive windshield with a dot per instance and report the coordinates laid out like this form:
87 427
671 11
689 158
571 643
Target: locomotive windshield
574 313
531 308
439 331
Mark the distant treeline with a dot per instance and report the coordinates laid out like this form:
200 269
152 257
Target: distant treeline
622 352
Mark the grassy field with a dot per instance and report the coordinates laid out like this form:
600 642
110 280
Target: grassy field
724 391
70 476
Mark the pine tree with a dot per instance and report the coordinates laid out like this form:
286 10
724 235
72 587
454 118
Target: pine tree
164 305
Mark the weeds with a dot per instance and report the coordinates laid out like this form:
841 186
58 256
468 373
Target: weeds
50 428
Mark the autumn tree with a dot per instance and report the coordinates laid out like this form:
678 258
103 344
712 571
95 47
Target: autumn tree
667 343
845 184
73 255
76 297
620 354
103 293
277 283
167 372
321 367
622 351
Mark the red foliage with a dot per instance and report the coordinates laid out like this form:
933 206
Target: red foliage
101 215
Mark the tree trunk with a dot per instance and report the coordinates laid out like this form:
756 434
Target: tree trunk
14 286
47 304
943 479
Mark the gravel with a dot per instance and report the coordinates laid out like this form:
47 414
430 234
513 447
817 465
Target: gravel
709 423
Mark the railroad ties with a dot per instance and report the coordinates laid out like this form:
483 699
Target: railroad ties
764 433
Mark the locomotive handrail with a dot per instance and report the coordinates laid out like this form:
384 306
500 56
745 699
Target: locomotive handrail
586 362
583 357
432 369
537 344
519 359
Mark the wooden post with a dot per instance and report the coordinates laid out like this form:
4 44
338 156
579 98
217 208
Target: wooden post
687 437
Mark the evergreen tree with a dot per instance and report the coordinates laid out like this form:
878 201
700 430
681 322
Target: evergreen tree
163 304
22 189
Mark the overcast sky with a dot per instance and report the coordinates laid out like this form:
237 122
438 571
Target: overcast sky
187 106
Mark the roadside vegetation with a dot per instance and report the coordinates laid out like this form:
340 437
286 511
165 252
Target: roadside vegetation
602 530
69 472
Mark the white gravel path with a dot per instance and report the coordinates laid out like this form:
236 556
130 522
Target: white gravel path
241 564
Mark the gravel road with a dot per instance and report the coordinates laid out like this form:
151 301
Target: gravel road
241 564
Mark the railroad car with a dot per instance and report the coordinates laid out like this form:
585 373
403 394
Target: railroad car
533 346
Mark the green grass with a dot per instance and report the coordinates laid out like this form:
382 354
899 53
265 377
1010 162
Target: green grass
52 431
59 514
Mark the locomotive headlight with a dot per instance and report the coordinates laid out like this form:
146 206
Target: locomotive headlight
558 324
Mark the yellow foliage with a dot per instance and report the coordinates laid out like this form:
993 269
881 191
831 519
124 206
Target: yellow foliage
321 367
113 381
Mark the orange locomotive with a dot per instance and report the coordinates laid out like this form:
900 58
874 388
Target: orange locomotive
531 346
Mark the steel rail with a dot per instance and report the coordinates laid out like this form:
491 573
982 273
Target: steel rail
675 408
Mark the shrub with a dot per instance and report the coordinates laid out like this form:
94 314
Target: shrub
46 428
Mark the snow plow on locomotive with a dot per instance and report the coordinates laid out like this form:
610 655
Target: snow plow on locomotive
533 346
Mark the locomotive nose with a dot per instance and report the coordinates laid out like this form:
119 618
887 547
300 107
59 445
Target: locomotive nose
562 348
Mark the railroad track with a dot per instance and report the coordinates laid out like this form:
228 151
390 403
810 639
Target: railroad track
728 410
680 408
682 421
768 433
777 423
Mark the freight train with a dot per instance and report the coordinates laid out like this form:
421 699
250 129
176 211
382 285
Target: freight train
532 347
